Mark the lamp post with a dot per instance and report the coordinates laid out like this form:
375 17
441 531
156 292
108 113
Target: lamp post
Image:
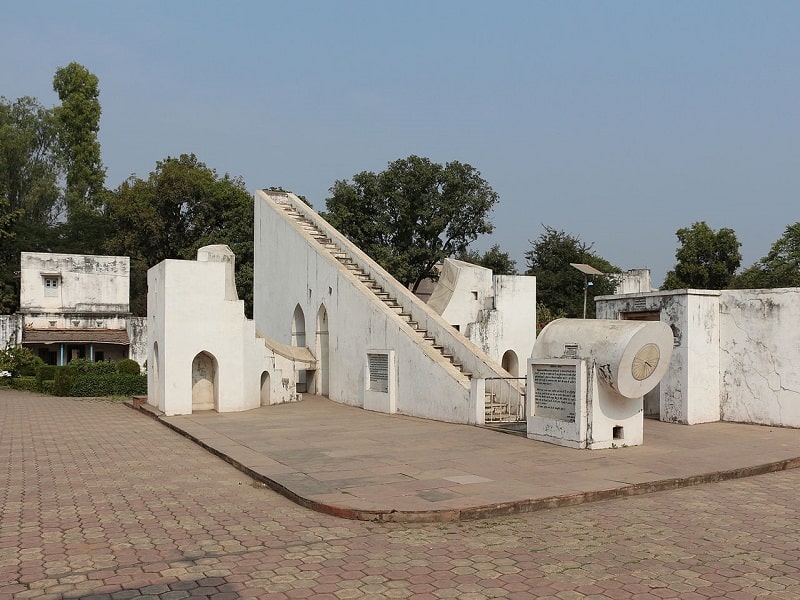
586 270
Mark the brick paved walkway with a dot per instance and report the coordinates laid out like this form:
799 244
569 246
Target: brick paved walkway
99 501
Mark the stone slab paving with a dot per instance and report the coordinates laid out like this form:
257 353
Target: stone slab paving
364 465
99 502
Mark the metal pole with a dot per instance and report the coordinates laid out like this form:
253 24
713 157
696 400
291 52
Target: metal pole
585 290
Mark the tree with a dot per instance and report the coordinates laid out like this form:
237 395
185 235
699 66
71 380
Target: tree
30 163
30 199
779 268
499 262
707 259
79 123
559 286
413 215
182 206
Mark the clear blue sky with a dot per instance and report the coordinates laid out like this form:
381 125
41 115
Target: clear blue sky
618 122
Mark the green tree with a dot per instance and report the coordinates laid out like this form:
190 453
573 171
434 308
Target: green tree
559 286
79 123
413 215
779 268
498 261
707 259
30 198
182 206
30 163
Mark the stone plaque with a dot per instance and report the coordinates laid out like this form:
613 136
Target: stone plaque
555 391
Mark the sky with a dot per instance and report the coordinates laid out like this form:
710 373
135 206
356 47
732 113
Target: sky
617 122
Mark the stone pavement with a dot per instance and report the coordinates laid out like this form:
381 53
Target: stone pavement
358 464
100 503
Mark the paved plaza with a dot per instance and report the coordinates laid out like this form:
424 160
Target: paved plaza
99 501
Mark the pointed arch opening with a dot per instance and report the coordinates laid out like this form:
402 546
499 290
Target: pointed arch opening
299 340
322 352
204 382
298 327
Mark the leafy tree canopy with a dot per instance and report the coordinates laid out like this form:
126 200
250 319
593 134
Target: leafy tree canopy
498 261
779 268
413 215
30 161
79 123
707 259
182 206
559 286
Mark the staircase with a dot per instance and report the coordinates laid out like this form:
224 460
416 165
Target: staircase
373 287
497 412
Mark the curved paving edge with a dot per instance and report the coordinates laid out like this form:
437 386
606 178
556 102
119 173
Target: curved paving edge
486 510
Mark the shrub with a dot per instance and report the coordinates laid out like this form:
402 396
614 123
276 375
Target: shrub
83 365
62 382
45 373
25 383
128 366
19 361
100 384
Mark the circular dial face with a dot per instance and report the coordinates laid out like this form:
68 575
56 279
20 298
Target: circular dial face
645 362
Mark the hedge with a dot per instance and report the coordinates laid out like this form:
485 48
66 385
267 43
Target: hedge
62 382
45 373
116 384
29 384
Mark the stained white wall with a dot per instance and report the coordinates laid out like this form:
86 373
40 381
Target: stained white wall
496 313
463 290
290 270
10 331
191 308
87 283
689 392
512 323
759 356
735 357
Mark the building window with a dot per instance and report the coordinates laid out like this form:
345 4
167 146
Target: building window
51 286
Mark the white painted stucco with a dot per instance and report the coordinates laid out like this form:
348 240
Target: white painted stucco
10 331
689 393
495 312
193 311
759 356
735 355
86 284
604 356
76 305
295 270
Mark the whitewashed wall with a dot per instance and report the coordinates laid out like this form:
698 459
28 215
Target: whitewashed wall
291 271
463 290
512 323
10 331
87 283
137 333
759 356
192 308
496 313
689 392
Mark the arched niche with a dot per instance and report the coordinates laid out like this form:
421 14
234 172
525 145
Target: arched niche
204 382
265 389
510 362
298 327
